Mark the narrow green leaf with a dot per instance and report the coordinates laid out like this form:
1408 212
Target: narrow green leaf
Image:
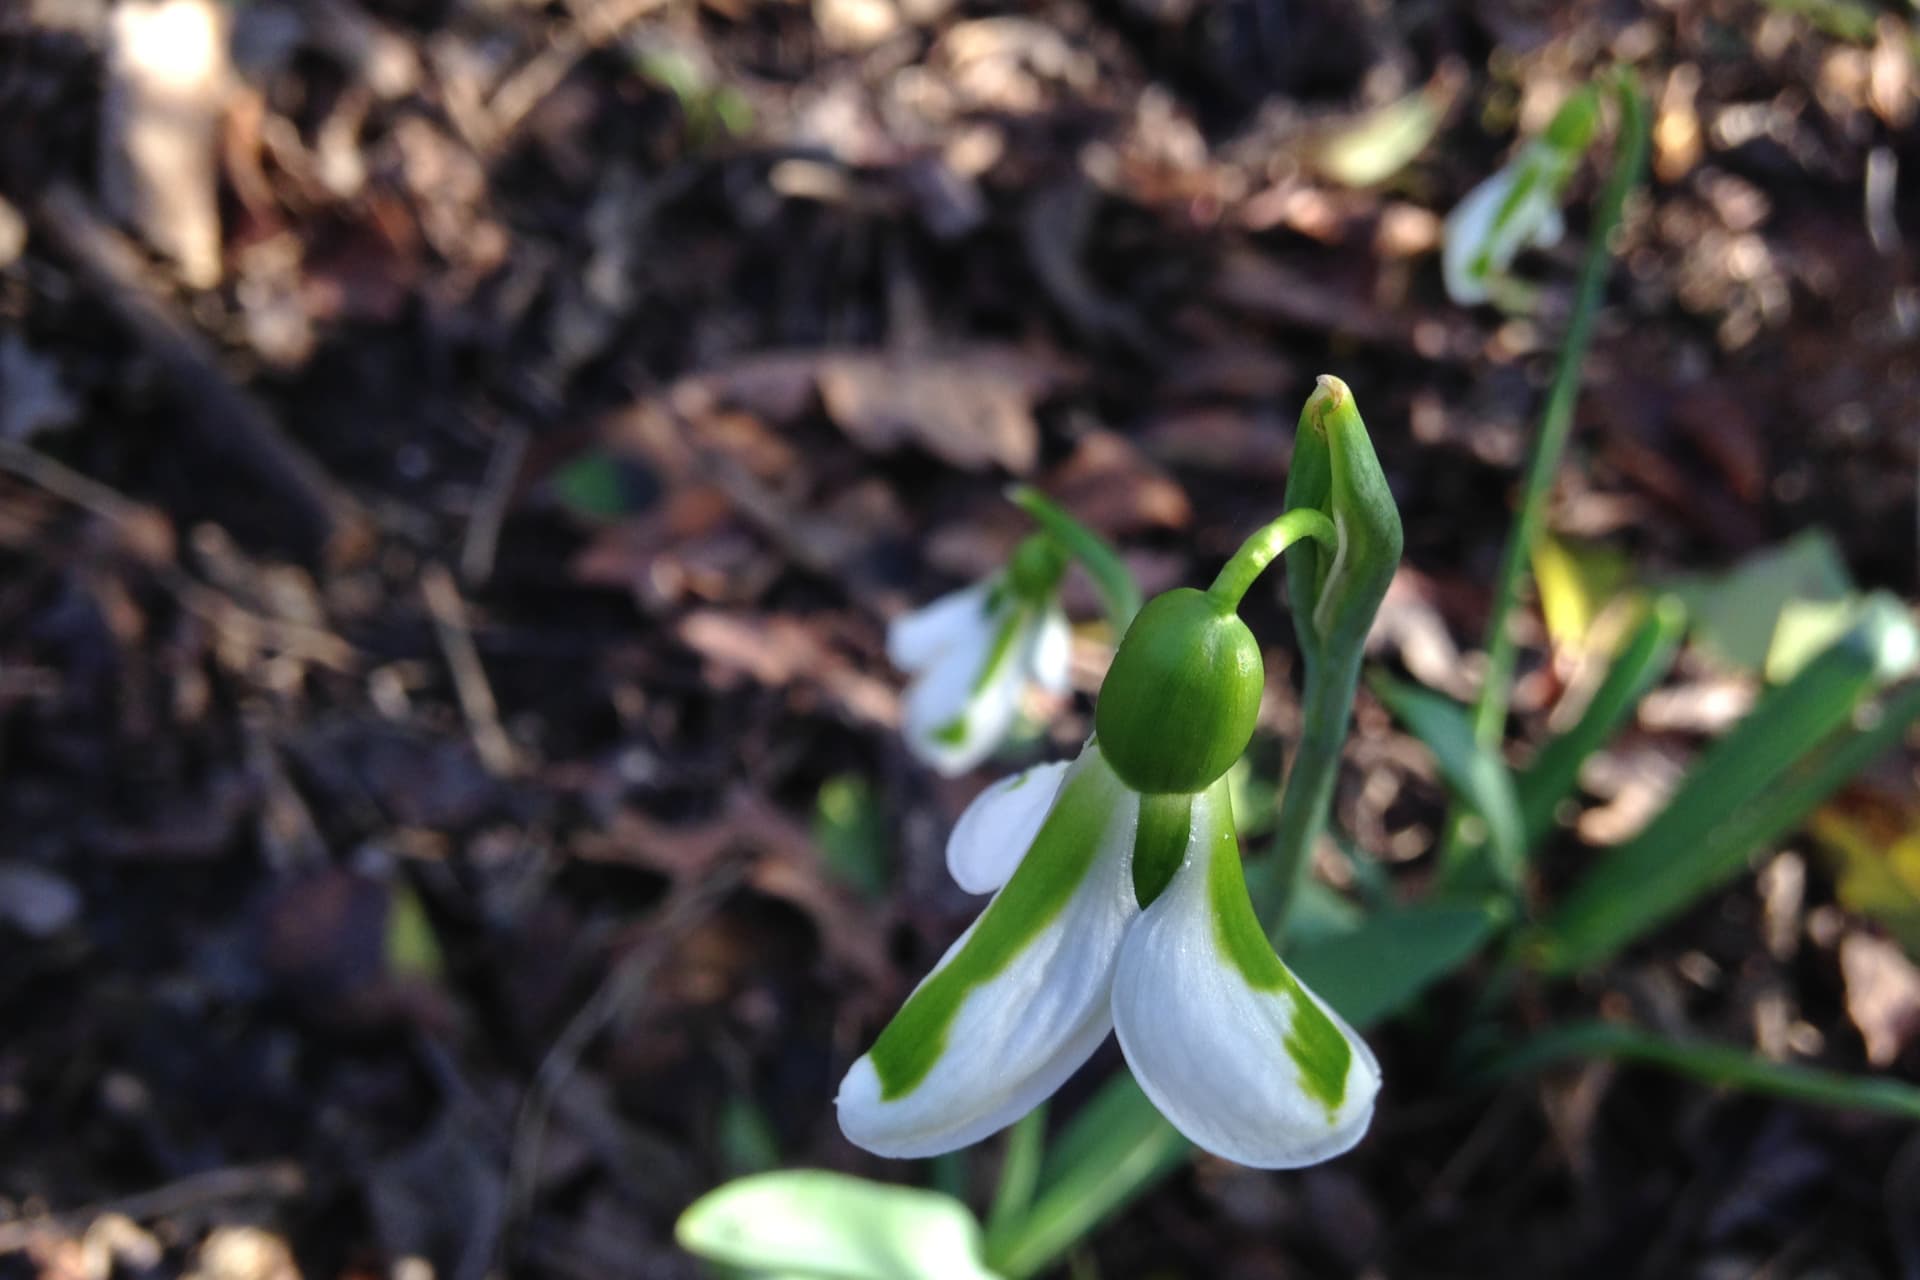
1715 1064
1641 665
1772 769
1378 969
1476 776
1114 1150
809 1222
1119 593
1019 1173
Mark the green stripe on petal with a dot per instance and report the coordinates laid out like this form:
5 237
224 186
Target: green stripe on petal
1041 887
1002 651
1318 1048
1237 1054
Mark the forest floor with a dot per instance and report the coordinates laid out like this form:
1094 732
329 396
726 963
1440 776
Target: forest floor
453 800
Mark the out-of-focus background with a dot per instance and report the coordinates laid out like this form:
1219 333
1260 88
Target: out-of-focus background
457 458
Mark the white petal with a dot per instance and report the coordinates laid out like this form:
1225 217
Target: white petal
915 639
999 826
1256 1070
1466 237
1050 661
1009 1014
1552 228
954 715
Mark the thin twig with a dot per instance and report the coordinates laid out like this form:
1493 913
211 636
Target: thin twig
469 676
141 527
490 507
229 423
272 1180
528 87
691 901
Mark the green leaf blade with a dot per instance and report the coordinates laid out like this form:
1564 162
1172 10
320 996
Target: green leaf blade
1798 745
832 1226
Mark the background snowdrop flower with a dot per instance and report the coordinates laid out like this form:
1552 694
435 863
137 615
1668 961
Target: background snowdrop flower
1122 904
973 653
1518 207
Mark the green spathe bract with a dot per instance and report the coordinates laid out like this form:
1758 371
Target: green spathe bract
1318 1048
1035 895
1334 595
1178 705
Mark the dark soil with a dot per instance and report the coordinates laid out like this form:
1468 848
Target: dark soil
422 653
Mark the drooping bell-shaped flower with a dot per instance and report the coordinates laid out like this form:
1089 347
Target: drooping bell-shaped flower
1518 207
1119 903
973 653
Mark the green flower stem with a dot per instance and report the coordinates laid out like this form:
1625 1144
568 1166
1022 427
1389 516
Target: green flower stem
1308 795
1265 546
1556 421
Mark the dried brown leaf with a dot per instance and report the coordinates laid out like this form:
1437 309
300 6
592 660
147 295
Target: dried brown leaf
972 408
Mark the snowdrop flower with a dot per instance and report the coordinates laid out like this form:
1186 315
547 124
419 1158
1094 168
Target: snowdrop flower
973 653
1517 208
1119 904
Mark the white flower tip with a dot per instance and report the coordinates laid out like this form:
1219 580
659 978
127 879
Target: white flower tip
872 1125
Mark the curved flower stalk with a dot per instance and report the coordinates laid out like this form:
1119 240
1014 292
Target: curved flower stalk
1517 207
1119 904
973 653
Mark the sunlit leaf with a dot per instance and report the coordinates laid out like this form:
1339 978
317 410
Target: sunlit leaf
809 1222
1371 149
1736 612
1577 582
1874 844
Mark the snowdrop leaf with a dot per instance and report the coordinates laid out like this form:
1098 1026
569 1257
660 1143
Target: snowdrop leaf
830 1226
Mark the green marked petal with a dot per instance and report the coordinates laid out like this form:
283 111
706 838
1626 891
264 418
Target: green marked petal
1021 999
1239 1056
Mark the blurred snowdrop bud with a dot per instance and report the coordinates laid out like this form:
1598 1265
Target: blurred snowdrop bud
1518 207
972 655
